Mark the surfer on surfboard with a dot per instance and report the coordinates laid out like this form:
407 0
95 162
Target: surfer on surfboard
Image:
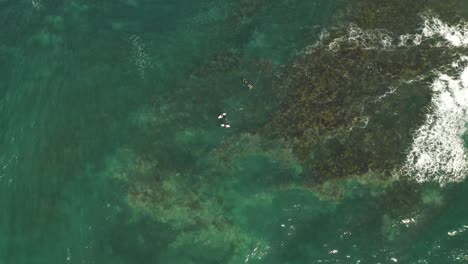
246 82
223 119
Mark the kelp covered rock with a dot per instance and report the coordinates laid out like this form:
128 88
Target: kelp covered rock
206 209
398 16
354 102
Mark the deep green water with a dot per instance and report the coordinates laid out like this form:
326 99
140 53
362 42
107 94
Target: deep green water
111 151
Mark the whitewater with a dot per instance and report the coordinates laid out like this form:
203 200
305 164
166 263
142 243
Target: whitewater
437 153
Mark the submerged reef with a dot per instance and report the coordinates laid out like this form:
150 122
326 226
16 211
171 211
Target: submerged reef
244 9
210 213
325 131
355 100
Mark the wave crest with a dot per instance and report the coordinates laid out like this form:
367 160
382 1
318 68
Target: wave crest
438 152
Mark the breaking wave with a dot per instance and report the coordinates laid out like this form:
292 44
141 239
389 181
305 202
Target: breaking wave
438 152
373 39
365 39
453 35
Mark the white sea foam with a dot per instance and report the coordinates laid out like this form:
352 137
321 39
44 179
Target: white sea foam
258 253
381 39
391 91
365 39
453 35
324 34
140 55
410 40
438 152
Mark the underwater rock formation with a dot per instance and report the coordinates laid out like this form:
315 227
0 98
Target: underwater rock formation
347 111
219 63
336 113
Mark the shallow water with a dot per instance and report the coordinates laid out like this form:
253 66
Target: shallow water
350 148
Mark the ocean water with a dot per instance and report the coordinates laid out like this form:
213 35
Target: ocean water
350 148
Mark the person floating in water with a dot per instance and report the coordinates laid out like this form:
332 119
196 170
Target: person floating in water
246 82
223 118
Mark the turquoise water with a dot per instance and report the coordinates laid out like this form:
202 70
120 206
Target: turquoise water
111 150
